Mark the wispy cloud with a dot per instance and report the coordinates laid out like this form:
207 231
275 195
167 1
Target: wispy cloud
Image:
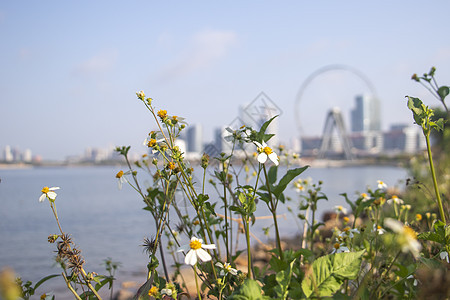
97 64
204 49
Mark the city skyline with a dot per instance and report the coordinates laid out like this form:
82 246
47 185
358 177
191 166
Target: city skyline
67 84
363 126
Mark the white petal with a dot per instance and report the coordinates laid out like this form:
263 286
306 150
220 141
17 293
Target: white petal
233 271
228 138
119 184
53 188
203 255
42 197
262 157
395 225
219 264
274 158
211 246
191 258
51 195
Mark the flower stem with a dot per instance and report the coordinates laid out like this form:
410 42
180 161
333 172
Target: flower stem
433 174
249 253
196 283
273 209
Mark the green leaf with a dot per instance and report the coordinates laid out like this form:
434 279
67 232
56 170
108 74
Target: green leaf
438 124
352 205
44 280
272 174
430 236
250 290
283 278
287 178
443 92
261 135
142 292
327 273
417 108
210 208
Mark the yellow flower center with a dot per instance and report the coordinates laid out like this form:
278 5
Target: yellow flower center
118 175
171 165
346 219
364 195
340 208
410 232
227 267
162 114
175 118
346 229
195 244
379 227
267 150
337 246
45 190
153 291
196 222
419 217
151 143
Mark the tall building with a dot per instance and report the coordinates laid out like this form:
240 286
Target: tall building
194 138
365 117
366 124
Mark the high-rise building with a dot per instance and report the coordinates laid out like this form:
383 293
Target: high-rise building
366 124
365 117
194 138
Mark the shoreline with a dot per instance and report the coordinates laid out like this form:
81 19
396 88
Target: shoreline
314 163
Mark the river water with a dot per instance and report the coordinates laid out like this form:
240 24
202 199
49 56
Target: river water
107 222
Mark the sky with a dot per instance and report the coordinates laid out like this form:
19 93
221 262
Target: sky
70 70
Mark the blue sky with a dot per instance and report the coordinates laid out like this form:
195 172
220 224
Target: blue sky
70 69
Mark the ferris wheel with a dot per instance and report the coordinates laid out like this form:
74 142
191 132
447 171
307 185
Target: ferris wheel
327 69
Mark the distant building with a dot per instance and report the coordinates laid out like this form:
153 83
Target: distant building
404 138
366 124
27 156
7 154
365 116
194 138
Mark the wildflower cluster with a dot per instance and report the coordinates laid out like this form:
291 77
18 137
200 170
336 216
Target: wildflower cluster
372 245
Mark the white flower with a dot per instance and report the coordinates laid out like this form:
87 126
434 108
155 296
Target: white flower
167 292
444 256
48 193
415 282
266 152
338 248
196 247
380 230
365 197
381 185
340 209
233 135
395 199
226 268
121 179
407 237
348 232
